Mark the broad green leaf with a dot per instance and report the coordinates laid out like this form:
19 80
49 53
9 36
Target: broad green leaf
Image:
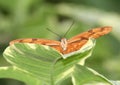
45 63
14 73
86 76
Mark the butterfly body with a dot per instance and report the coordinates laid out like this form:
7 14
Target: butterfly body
67 46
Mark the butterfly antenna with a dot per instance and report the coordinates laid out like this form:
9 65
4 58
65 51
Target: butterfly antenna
68 29
53 32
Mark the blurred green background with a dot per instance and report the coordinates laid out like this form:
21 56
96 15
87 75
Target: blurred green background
30 18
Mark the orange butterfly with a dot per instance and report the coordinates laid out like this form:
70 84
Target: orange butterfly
67 46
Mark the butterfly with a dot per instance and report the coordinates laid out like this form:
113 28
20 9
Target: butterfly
67 46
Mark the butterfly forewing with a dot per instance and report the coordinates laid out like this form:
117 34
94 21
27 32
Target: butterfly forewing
36 41
93 33
51 43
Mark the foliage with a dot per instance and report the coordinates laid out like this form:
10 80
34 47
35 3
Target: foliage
30 18
42 65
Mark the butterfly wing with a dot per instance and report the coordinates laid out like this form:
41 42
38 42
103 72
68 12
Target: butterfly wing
74 46
75 43
51 43
93 33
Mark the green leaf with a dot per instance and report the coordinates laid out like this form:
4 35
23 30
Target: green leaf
115 82
86 76
14 73
44 63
